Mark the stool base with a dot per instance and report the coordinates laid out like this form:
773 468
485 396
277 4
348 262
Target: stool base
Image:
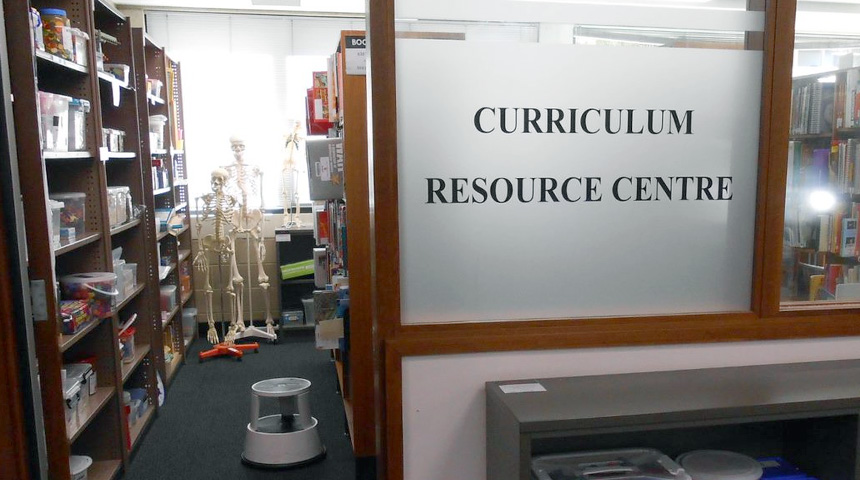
223 350
282 450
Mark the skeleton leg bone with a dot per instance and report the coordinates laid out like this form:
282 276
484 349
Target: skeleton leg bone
238 284
263 279
202 263
255 234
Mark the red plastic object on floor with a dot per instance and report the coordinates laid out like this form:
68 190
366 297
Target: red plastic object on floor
236 350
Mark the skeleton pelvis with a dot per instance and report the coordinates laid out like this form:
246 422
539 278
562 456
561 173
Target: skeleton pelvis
253 219
215 244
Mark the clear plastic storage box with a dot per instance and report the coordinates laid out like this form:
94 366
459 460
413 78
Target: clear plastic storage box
78 110
56 211
119 205
74 211
54 113
623 464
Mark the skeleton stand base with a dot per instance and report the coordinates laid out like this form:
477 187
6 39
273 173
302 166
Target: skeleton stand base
253 331
235 350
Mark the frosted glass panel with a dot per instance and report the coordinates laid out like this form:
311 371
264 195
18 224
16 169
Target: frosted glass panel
547 181
698 14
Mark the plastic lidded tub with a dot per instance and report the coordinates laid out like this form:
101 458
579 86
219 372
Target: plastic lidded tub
720 465
622 464
126 343
78 466
56 32
168 298
156 126
98 288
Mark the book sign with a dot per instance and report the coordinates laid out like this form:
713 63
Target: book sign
355 55
587 181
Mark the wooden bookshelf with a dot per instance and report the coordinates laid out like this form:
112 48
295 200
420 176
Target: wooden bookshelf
104 470
95 404
140 352
136 431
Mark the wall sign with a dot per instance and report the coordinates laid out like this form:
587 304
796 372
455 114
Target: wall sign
356 55
550 181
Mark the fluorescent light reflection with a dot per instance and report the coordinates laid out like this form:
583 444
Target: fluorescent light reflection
822 200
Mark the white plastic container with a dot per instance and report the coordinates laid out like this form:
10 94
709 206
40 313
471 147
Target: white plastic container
83 373
130 274
78 110
71 397
189 322
56 210
168 298
79 44
153 86
121 287
156 126
119 71
720 465
79 465
123 206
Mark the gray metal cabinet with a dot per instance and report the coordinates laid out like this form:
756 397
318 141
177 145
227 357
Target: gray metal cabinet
806 413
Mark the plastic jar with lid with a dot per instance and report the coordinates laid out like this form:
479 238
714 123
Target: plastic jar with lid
57 32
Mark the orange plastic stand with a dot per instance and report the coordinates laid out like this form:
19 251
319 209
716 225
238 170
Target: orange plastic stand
222 349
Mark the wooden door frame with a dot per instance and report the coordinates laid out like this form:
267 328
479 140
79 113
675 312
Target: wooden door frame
764 320
14 439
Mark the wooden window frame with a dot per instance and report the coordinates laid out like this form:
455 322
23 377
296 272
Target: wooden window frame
765 320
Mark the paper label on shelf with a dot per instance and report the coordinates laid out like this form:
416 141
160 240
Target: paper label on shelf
615 188
522 388
282 237
355 56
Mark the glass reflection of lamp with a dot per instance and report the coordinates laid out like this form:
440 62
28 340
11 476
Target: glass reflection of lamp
821 201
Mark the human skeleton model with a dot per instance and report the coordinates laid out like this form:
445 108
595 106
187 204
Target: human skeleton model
221 208
290 176
246 181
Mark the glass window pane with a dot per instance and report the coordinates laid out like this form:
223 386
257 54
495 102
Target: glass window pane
517 101
822 204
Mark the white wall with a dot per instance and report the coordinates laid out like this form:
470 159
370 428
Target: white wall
443 396
250 79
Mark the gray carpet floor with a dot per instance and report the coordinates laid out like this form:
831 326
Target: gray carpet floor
199 432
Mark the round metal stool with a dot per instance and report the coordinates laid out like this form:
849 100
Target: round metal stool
289 438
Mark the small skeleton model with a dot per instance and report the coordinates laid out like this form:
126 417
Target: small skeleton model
246 180
291 180
220 207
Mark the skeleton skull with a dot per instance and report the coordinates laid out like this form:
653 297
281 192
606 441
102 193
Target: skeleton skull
219 179
237 145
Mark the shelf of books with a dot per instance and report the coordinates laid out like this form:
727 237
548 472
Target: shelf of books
822 204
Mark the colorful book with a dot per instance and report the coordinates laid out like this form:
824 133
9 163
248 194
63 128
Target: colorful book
848 238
